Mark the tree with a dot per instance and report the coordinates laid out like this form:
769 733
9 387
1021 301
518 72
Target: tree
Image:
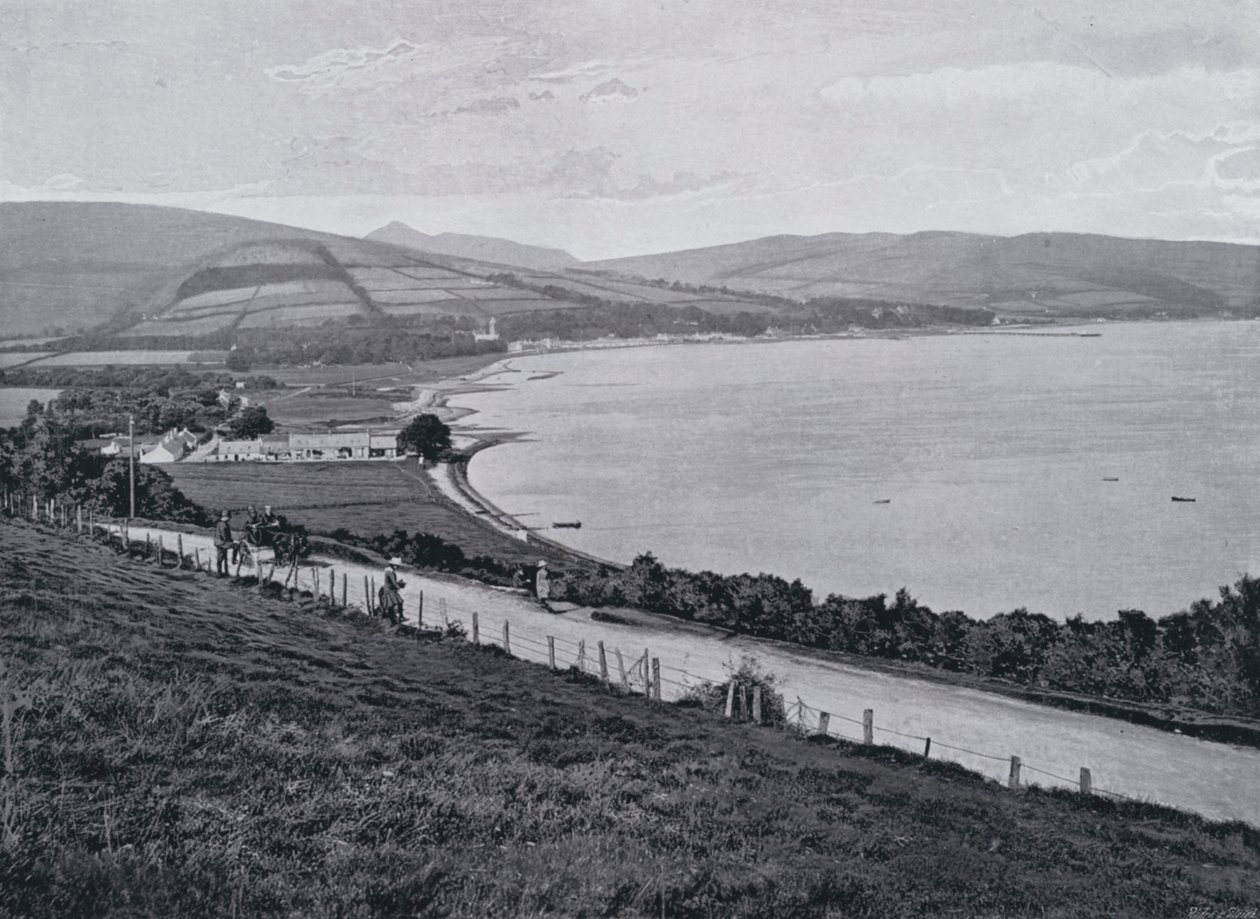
426 435
250 423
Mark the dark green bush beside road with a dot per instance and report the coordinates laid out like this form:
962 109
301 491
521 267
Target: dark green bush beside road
1207 657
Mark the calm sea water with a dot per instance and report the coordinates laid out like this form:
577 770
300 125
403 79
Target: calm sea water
13 402
991 452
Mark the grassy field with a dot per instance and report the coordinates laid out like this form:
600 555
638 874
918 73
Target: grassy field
320 408
180 746
366 498
383 374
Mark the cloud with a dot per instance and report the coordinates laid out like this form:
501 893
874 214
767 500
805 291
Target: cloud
647 186
348 69
1224 158
495 106
342 67
64 182
613 90
1237 170
583 70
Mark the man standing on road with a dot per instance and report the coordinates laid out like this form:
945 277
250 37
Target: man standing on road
391 593
542 585
222 540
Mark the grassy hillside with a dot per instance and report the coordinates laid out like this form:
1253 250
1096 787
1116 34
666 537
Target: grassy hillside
176 745
139 275
1041 274
76 265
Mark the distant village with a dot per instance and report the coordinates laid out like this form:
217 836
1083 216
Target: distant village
182 445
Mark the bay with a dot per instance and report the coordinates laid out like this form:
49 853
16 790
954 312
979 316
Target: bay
992 452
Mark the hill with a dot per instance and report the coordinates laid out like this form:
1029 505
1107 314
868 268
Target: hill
1040 274
482 248
132 275
178 745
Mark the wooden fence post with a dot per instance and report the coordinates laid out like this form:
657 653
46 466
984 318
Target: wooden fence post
603 664
179 549
581 658
420 611
35 508
1013 782
161 552
656 679
647 678
196 559
507 638
621 667
824 723
367 597
476 636
148 545
78 519
551 651
345 596
868 726
927 747
730 700
372 599
756 712
741 696
1087 781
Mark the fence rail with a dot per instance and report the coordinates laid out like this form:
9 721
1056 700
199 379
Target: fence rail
629 674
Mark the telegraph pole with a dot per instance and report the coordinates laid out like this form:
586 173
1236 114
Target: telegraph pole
131 461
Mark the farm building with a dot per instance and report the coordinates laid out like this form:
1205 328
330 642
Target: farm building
309 447
353 445
383 443
269 448
344 445
172 448
117 446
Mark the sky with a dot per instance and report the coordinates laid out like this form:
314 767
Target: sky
620 127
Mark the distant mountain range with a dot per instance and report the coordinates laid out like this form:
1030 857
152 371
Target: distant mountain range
1042 274
138 272
482 248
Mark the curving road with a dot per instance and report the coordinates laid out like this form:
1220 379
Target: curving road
1213 779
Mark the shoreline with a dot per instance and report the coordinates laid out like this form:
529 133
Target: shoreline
451 479
1165 717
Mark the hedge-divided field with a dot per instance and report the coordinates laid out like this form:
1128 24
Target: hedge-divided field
179 746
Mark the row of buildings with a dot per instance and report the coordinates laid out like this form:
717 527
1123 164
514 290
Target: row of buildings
183 445
307 447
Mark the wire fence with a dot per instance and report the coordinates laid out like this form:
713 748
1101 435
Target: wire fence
633 673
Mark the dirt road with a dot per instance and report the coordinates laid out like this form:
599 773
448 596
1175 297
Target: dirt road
1213 779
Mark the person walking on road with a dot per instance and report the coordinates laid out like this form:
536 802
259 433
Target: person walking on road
391 592
222 541
542 585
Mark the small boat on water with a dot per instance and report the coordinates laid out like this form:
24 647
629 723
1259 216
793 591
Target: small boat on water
1111 478
570 525
884 501
1183 500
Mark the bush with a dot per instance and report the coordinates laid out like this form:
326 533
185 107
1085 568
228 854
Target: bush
747 675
